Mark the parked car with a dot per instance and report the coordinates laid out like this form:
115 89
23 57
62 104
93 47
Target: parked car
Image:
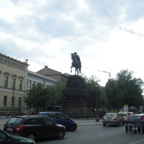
135 123
62 119
34 127
112 119
6 138
125 115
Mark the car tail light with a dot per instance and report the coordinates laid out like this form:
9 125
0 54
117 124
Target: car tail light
20 128
127 119
115 118
103 118
143 119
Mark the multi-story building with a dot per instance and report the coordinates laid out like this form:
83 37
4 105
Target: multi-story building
34 78
61 78
13 84
16 80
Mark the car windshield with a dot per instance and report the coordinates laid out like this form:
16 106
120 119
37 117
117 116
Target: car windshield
110 115
51 115
123 114
135 117
14 120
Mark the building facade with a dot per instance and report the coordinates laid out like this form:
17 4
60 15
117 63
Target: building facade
13 84
16 80
61 78
34 78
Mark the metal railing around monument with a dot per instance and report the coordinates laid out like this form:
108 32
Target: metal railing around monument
85 115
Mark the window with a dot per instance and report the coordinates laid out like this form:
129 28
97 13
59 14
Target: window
34 82
12 102
51 115
15 120
20 100
5 101
20 84
29 83
135 117
48 121
6 82
61 117
29 121
13 83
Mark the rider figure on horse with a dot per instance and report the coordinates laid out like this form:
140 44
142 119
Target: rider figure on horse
77 57
76 63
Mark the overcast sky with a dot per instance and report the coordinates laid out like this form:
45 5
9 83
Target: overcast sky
46 32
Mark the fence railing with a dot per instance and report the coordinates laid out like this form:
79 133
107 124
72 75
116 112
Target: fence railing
85 115
10 112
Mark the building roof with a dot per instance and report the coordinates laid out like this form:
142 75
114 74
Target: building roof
41 76
25 63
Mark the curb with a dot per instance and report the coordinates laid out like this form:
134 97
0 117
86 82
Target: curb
88 124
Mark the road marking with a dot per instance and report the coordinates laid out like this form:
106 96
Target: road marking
137 142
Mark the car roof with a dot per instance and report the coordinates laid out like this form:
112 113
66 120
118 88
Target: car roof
111 113
29 116
49 112
138 114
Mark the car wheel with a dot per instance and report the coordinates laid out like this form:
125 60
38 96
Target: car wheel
60 135
104 124
31 136
117 124
73 128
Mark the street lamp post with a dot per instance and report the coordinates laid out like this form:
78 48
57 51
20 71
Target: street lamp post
97 110
13 102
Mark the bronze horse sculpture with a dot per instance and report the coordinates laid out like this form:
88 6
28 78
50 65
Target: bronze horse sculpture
76 63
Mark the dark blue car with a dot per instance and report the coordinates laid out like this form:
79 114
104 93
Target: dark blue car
61 119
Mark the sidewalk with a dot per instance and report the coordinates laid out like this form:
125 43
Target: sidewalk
80 122
87 122
3 121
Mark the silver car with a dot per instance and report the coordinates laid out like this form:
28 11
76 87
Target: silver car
112 119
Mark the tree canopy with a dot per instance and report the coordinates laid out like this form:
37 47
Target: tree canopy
125 89
40 96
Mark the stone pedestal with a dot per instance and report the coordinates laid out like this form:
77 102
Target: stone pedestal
75 96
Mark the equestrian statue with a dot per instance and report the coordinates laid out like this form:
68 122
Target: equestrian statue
76 63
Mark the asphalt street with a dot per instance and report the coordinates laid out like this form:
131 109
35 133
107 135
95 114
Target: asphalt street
91 131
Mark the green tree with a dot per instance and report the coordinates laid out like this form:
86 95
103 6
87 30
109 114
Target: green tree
112 94
103 103
56 94
40 96
129 89
37 97
124 90
92 88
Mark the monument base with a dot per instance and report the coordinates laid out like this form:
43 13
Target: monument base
75 106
